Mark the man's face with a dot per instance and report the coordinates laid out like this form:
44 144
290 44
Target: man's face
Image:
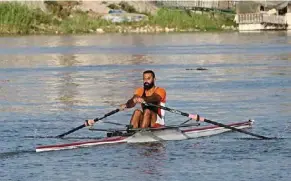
148 78
148 81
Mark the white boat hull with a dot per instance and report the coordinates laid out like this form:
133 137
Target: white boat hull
150 136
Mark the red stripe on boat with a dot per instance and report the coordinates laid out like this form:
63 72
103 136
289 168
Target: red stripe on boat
119 138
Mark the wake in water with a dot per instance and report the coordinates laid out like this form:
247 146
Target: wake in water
15 153
271 138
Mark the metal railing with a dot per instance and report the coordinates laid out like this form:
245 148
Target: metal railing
189 4
207 4
254 18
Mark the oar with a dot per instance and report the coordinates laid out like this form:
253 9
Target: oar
207 120
84 125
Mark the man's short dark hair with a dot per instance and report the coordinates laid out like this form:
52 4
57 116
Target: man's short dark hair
150 72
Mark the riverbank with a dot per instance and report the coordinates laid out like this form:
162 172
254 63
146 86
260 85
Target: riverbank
19 19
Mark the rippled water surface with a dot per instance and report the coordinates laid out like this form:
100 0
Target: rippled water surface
51 84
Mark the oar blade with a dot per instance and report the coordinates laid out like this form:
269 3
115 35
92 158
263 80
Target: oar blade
235 129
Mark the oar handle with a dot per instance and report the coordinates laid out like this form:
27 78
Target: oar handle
84 125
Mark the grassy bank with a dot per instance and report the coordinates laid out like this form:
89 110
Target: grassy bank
19 19
184 20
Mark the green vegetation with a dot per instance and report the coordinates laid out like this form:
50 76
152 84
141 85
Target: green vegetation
186 19
61 8
124 6
81 23
113 6
19 19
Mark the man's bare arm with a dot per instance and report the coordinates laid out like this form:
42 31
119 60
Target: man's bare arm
131 102
154 98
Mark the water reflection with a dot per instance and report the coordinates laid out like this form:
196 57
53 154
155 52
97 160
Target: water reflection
68 90
67 60
151 157
66 79
151 149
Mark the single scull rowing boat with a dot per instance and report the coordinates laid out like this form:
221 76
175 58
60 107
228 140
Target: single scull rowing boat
151 135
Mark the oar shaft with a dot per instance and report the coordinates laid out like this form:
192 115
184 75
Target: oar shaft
106 115
84 125
71 131
207 120
169 109
235 129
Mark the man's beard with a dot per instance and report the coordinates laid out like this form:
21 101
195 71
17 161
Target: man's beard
148 86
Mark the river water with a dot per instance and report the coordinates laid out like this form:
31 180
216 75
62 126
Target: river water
51 84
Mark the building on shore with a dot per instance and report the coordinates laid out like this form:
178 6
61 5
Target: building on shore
263 15
198 4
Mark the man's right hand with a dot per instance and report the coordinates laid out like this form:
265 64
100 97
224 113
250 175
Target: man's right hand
135 99
122 107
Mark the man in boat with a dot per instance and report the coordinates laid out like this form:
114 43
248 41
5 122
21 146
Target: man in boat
149 93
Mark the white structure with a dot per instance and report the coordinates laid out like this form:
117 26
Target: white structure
258 15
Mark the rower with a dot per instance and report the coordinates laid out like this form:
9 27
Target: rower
147 116
150 93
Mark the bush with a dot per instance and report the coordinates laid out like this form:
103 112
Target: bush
113 6
187 19
18 18
126 7
62 9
